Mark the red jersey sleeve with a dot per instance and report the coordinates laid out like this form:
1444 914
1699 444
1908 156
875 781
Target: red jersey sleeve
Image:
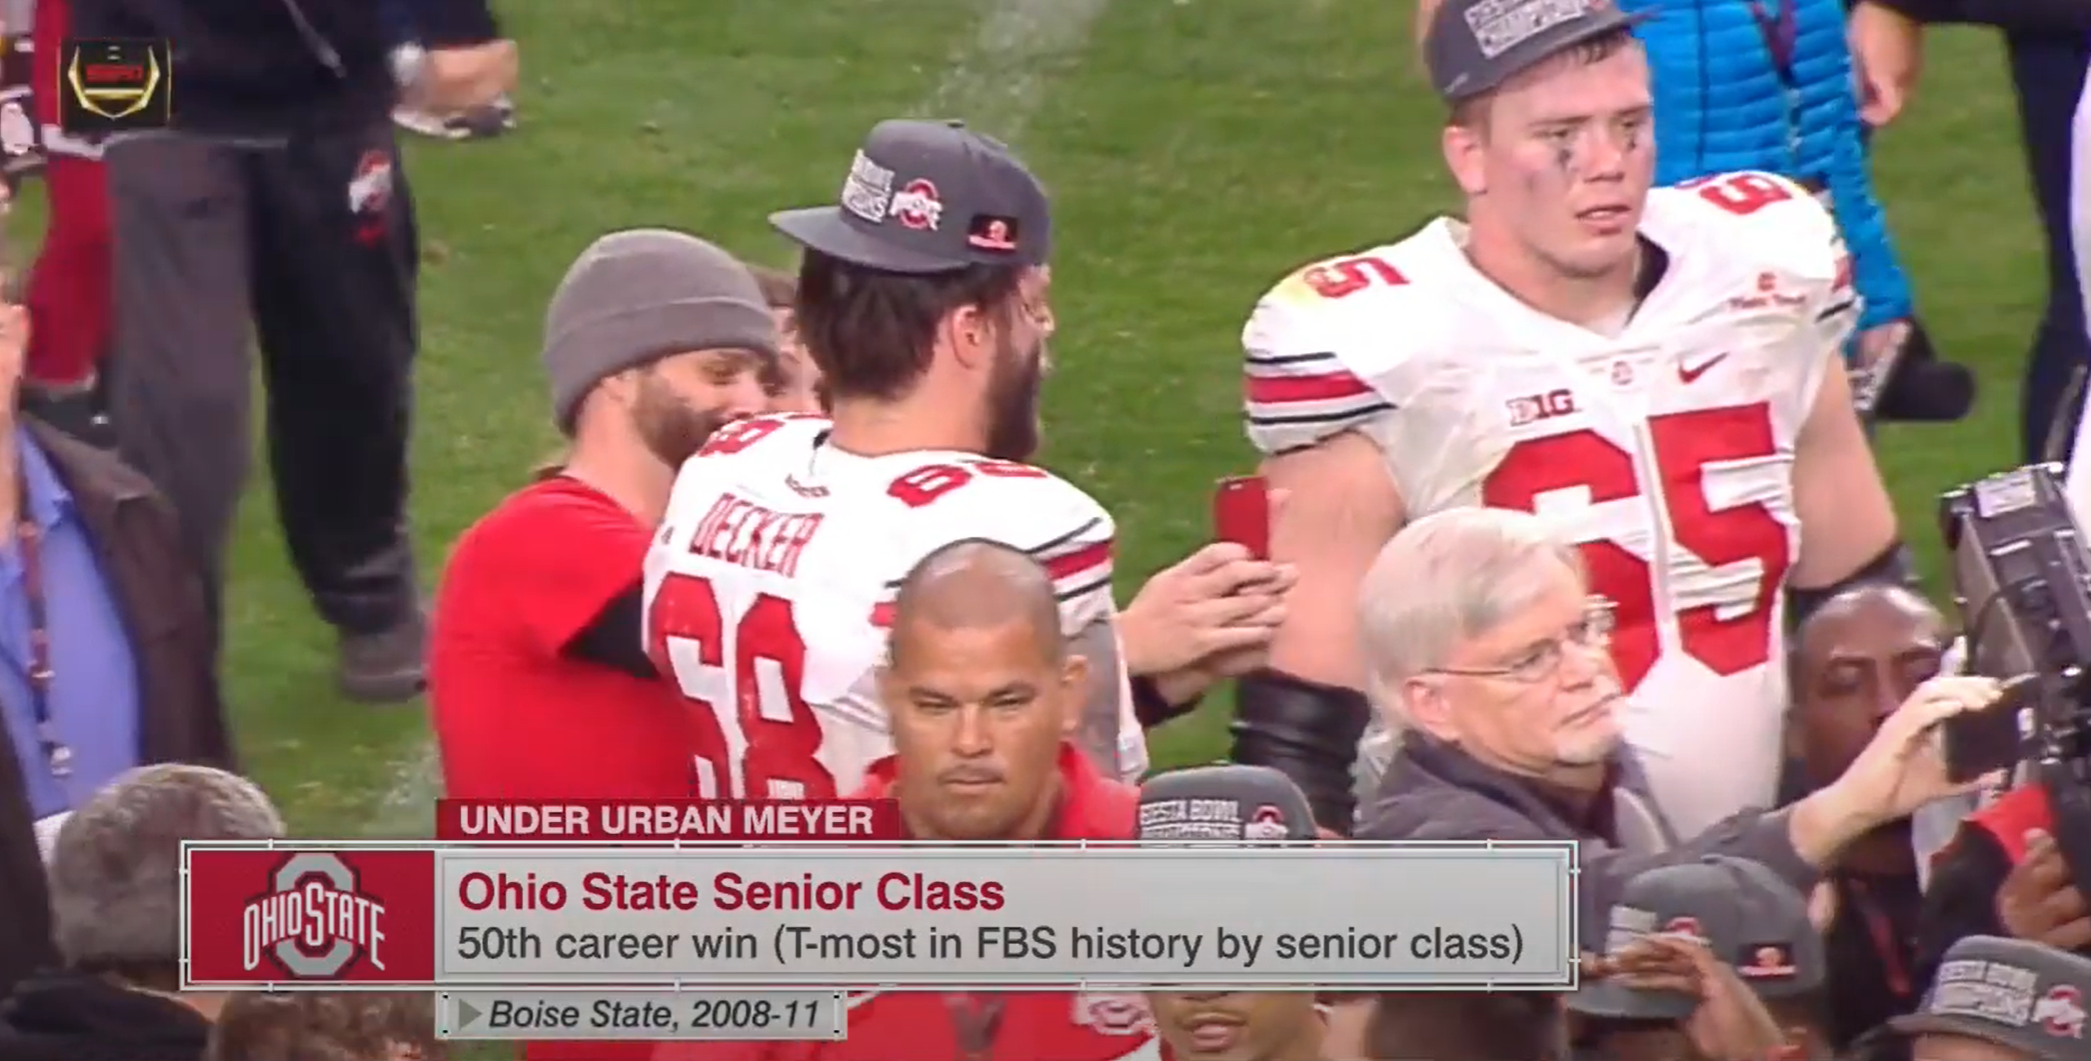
562 553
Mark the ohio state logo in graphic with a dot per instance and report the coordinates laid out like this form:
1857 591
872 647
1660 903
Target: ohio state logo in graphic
918 206
315 922
1268 823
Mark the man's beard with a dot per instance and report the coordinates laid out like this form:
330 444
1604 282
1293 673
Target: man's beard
670 427
1012 402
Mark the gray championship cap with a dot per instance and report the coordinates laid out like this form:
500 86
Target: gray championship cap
929 197
1745 913
1473 46
2012 993
1242 804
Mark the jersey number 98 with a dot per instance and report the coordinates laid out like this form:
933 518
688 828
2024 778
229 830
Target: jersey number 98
756 737
1727 625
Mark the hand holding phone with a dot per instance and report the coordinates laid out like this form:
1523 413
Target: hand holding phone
1241 513
1985 741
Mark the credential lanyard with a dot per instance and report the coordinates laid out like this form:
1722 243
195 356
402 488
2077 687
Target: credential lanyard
29 540
1886 942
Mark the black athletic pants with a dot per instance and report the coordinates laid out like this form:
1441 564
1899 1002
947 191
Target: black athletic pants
312 239
2047 70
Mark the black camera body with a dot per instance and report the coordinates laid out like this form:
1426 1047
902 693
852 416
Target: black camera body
2022 581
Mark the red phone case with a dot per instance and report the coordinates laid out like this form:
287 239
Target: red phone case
1241 513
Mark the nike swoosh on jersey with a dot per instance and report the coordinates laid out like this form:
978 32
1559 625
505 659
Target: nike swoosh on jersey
1691 373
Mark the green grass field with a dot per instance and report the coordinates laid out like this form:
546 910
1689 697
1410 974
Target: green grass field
1196 150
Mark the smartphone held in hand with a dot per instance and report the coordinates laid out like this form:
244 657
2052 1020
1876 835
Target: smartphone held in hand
1241 513
1982 742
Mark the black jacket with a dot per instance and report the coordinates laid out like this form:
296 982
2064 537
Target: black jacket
2017 16
182 718
273 67
71 1017
1434 791
1961 899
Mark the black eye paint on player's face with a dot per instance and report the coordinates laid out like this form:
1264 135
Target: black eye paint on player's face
1564 144
1571 161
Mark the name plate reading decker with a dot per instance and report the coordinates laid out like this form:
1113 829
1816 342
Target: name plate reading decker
796 1016
1359 916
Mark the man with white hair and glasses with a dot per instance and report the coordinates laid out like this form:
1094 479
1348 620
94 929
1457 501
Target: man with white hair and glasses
1485 648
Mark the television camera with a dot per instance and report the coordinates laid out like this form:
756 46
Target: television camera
2022 582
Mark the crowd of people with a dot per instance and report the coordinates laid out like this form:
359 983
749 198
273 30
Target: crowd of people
1575 534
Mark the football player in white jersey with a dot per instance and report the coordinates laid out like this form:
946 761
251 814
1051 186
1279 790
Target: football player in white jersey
922 299
1658 370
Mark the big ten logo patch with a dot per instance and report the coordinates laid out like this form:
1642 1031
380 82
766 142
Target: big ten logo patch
1532 408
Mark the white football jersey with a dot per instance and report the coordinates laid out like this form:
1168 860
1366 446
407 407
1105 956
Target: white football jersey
1666 450
769 590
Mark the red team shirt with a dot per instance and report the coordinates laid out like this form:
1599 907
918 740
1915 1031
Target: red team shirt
513 716
1665 450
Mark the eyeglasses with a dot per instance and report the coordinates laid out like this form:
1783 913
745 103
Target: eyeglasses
1593 632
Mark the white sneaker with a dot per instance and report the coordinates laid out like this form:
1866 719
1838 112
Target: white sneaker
492 120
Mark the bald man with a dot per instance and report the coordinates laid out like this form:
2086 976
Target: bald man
984 699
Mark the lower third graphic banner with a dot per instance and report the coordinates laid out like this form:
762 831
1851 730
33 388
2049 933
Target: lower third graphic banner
985 917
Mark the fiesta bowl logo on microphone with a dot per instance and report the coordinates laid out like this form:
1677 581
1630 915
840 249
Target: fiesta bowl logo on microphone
315 922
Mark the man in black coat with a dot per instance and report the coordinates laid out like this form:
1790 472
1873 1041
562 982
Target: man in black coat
2049 44
276 197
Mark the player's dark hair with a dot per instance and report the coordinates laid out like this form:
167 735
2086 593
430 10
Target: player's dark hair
1472 112
871 331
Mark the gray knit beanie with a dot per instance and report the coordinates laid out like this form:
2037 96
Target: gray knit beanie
643 294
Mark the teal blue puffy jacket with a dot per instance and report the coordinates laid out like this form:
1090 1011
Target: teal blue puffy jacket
1722 104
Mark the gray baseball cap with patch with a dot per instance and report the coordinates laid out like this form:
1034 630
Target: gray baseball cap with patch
929 197
1473 46
1747 916
2012 993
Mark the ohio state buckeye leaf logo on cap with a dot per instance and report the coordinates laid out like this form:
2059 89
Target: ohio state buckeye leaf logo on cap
1268 823
918 206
